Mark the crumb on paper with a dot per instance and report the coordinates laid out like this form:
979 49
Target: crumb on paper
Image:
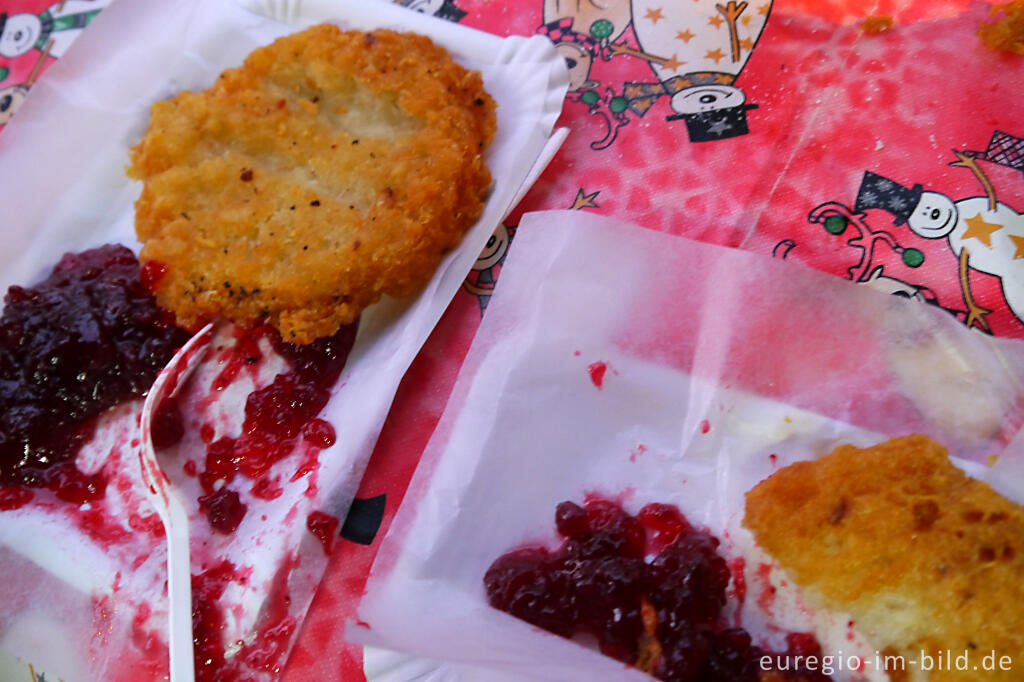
874 25
1007 32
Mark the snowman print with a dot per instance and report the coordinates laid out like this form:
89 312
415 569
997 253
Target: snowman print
11 99
582 31
51 32
442 9
587 33
985 234
13 96
484 275
697 51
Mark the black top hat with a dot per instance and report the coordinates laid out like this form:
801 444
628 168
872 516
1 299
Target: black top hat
719 124
877 191
1004 149
450 11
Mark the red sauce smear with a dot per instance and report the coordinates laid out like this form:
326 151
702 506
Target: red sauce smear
245 353
737 566
147 524
267 488
100 527
274 631
324 527
597 371
767 597
278 418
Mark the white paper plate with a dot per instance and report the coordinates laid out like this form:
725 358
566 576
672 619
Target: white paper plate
65 189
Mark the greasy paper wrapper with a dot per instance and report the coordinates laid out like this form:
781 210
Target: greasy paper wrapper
722 366
83 591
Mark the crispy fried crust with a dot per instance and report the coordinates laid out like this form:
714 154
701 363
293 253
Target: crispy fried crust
1007 32
922 557
331 168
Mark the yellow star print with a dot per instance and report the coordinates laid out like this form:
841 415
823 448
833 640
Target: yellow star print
716 21
747 44
654 14
584 200
715 54
672 64
1019 242
685 36
978 229
765 8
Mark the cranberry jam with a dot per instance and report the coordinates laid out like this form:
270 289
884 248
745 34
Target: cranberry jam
279 418
78 343
651 588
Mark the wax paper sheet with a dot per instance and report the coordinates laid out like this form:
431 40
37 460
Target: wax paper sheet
720 367
92 578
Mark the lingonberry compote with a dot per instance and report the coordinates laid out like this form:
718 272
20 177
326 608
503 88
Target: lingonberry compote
278 418
76 344
650 588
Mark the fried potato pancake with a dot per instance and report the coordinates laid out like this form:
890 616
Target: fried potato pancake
923 557
329 169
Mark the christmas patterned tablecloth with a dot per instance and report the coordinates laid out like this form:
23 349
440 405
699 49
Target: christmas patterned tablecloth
888 153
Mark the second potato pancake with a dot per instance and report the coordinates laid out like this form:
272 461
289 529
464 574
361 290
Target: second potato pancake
331 168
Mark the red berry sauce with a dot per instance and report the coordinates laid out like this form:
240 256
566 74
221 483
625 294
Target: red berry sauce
208 622
612 568
324 527
597 371
167 428
278 417
223 509
264 652
78 343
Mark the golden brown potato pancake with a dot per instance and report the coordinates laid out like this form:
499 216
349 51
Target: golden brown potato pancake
329 169
923 557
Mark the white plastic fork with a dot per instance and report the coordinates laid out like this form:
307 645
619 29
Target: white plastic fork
170 509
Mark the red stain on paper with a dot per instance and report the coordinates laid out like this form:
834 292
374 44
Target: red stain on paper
597 371
267 488
705 426
737 566
767 596
324 527
245 353
637 451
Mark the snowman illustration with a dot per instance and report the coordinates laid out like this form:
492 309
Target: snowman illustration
50 32
484 275
582 31
697 51
442 9
11 99
13 96
482 278
984 233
